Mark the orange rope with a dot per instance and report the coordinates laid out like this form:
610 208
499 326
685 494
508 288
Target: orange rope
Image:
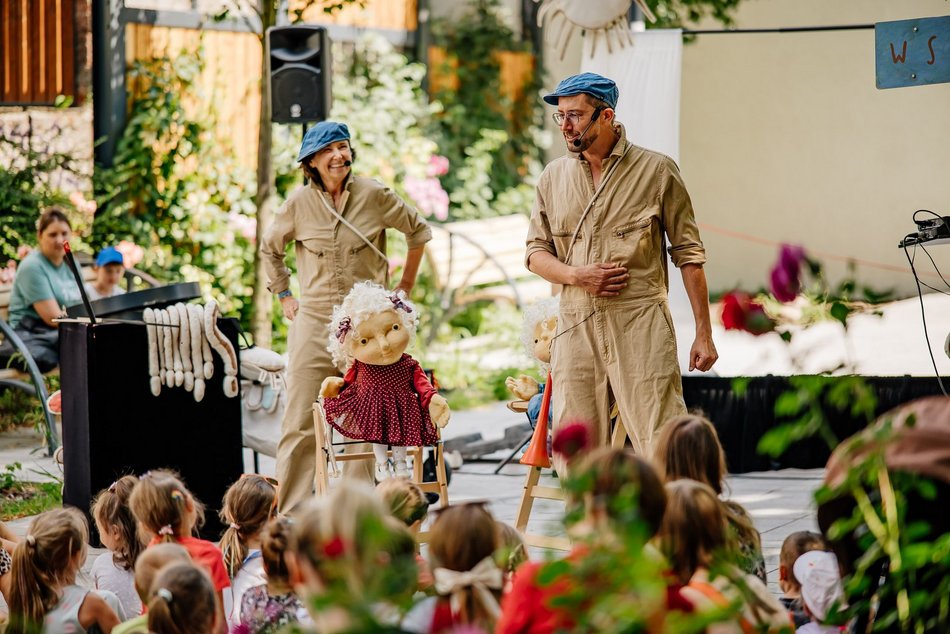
824 254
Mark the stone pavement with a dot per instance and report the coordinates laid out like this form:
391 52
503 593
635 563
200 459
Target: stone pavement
779 501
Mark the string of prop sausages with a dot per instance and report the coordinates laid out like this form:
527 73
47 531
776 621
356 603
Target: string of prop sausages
180 341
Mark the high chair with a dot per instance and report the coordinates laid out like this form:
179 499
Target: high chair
327 459
533 490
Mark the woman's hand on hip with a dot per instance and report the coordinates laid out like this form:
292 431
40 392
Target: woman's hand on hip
290 306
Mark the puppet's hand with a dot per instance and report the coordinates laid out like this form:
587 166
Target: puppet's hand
331 387
439 410
524 387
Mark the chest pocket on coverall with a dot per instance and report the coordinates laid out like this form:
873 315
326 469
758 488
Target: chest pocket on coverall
631 244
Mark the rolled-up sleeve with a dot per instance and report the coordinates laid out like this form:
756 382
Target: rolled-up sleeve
539 229
676 210
273 247
401 216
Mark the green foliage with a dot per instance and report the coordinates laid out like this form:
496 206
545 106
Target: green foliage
33 176
175 191
8 476
677 14
493 145
26 499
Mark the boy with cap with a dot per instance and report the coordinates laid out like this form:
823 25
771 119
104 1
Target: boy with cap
338 224
600 226
817 571
109 268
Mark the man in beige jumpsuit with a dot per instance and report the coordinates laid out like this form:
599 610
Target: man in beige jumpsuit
601 220
331 257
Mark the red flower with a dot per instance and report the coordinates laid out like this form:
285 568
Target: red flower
785 277
334 548
571 440
740 312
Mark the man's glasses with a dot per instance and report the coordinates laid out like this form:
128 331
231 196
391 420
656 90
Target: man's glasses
573 117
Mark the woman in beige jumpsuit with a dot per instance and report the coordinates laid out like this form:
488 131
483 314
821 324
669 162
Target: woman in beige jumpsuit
327 220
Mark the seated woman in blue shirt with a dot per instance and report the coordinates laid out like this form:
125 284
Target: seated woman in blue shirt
43 286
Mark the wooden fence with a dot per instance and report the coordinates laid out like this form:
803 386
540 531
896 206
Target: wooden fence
37 50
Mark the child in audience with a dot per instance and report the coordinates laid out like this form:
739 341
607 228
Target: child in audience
147 565
689 447
112 571
109 270
167 512
462 543
182 601
794 546
247 506
350 560
817 571
408 504
266 608
511 551
44 593
693 533
609 488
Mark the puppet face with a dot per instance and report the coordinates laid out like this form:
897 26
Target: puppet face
544 332
378 340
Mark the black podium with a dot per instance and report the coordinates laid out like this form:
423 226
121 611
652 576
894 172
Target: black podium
113 425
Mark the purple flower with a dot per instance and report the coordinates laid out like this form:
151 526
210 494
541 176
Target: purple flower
785 277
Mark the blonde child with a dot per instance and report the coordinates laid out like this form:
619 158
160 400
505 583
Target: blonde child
44 593
408 504
511 551
148 564
462 544
267 608
350 561
112 571
167 512
693 531
247 506
182 601
794 546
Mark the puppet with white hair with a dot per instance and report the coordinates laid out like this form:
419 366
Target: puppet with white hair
385 397
537 333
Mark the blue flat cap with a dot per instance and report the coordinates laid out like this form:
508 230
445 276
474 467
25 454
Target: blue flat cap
322 135
597 86
109 255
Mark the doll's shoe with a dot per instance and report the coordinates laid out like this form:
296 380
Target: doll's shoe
382 471
401 469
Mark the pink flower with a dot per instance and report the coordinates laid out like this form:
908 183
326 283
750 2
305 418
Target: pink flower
87 207
438 165
395 263
740 312
22 251
77 199
571 439
132 253
244 225
429 196
785 277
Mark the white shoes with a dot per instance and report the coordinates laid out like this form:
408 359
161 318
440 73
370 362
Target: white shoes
382 471
401 469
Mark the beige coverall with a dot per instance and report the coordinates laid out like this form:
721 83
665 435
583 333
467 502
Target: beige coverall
331 258
617 348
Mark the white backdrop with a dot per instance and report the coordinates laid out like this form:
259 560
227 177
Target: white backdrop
648 78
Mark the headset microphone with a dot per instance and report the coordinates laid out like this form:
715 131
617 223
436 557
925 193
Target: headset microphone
347 163
593 117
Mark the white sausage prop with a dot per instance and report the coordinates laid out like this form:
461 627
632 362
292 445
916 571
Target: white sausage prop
180 340
184 345
223 347
154 382
175 332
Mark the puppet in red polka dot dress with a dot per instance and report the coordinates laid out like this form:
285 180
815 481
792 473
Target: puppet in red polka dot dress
385 397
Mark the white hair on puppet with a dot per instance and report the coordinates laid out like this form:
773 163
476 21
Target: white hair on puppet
534 315
364 300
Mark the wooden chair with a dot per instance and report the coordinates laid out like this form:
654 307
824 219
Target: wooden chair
327 459
534 490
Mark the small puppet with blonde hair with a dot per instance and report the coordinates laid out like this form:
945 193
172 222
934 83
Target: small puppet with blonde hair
537 332
385 397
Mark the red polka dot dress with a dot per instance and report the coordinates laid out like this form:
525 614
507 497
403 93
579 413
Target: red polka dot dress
384 404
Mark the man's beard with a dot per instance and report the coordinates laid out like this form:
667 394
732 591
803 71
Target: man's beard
586 141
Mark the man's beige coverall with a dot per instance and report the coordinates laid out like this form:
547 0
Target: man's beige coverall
331 258
617 348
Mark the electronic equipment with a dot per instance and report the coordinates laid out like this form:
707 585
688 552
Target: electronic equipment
931 230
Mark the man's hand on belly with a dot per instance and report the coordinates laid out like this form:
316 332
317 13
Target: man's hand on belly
603 279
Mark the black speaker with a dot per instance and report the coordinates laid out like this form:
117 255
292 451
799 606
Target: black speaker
299 73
